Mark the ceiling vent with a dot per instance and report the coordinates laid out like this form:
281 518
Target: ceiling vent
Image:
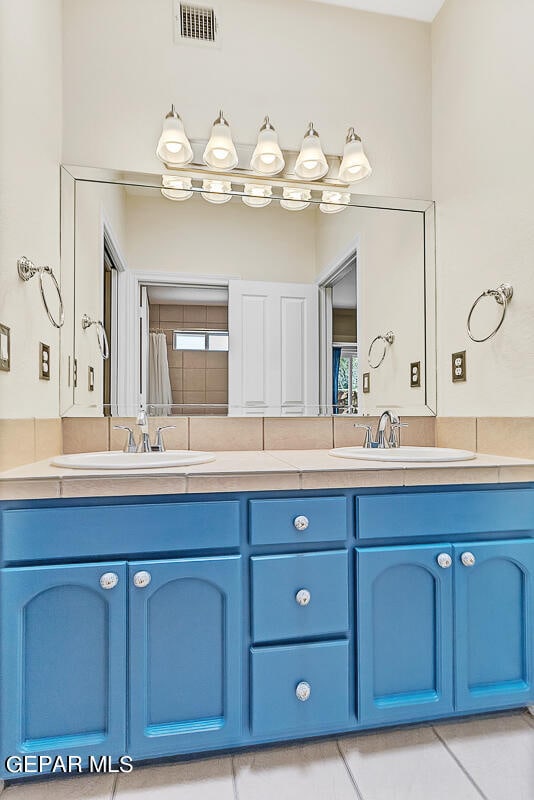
195 24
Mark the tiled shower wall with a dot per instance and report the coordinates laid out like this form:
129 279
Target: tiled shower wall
196 377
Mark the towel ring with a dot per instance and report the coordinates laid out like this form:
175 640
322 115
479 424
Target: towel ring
101 335
386 339
502 294
27 270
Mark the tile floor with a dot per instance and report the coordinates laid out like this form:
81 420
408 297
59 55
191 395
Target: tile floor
484 757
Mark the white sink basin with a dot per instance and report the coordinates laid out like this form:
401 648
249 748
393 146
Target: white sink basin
403 454
118 460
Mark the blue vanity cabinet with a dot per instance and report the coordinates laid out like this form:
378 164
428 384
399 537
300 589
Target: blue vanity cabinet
405 636
63 660
494 624
185 655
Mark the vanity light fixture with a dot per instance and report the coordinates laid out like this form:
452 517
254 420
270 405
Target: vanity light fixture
214 191
267 158
220 153
295 199
355 164
334 201
175 188
257 195
311 162
173 146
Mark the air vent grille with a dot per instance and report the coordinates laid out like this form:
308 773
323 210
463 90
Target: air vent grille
197 23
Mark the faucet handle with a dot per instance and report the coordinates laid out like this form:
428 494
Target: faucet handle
131 446
368 429
159 445
395 441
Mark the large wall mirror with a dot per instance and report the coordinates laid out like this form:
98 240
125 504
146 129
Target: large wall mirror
186 303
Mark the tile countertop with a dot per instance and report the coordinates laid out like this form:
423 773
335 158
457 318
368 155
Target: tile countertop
275 470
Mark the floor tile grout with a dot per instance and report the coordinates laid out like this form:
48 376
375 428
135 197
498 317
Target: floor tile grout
234 778
114 788
459 763
355 786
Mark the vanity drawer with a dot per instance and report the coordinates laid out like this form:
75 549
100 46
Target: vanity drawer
444 513
321 608
118 530
322 670
293 521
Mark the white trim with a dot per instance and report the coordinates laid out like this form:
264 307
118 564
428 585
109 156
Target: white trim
340 262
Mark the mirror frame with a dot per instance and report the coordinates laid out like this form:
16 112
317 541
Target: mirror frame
71 175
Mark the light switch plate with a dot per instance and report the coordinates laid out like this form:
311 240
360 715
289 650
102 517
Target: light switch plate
415 374
44 361
459 367
366 380
5 348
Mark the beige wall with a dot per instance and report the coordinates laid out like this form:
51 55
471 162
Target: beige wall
200 238
30 152
290 59
483 174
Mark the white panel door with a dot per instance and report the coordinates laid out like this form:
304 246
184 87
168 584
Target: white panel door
273 359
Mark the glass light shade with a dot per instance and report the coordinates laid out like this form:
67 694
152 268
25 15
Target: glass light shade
355 165
173 146
257 195
311 162
295 199
220 152
334 201
175 188
267 158
215 191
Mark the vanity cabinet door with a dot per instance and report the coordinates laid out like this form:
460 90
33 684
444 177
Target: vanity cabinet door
185 655
63 660
494 588
404 613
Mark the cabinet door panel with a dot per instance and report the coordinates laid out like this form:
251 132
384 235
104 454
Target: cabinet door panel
404 633
493 619
185 655
63 660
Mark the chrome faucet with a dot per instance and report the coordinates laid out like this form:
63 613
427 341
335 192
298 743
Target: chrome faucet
380 441
144 445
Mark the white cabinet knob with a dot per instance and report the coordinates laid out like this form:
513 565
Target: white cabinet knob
142 579
444 560
109 580
468 559
303 597
301 523
303 691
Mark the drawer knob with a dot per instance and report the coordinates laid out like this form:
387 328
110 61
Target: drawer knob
303 691
142 579
303 597
444 560
109 580
468 559
301 523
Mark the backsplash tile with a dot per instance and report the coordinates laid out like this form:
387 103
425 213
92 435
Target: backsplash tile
458 432
506 436
302 433
85 434
226 433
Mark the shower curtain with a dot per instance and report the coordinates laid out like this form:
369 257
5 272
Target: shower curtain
159 382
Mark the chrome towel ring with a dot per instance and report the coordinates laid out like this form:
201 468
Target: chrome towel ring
502 294
103 344
27 270
386 339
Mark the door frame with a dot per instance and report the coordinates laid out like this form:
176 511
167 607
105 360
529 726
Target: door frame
326 280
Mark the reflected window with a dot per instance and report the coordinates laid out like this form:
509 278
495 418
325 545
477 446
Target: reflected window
345 380
200 340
